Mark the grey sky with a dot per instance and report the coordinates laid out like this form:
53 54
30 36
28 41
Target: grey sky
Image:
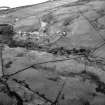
16 3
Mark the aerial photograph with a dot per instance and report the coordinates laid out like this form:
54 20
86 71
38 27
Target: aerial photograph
52 52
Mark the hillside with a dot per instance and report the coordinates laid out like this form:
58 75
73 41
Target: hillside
52 53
